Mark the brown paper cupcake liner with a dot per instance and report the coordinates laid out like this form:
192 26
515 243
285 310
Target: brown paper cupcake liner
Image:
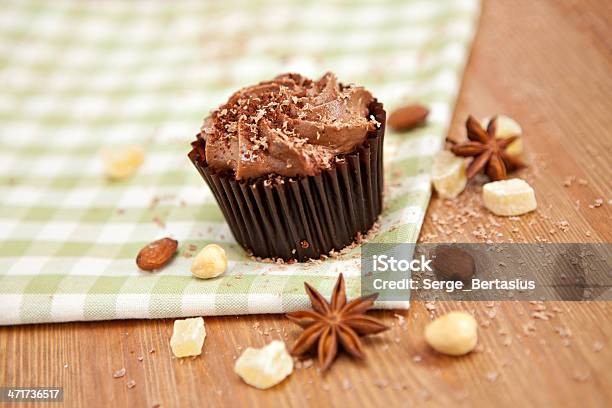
303 218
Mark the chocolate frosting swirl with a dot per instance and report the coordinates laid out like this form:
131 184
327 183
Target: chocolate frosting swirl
289 126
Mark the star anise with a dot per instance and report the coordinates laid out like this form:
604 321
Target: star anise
334 322
488 151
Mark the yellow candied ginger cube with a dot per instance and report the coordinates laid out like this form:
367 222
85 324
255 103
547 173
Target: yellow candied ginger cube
509 197
265 367
188 337
121 162
448 174
507 127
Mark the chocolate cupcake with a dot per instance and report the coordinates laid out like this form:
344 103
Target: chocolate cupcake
295 165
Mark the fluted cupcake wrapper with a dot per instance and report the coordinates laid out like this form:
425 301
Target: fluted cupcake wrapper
303 218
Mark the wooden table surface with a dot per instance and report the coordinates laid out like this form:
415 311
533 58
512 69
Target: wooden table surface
546 63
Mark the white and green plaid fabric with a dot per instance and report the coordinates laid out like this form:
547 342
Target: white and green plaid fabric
78 76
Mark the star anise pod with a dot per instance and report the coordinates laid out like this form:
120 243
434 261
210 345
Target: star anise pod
488 151
334 322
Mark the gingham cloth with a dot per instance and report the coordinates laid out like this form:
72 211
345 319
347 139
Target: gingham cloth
79 76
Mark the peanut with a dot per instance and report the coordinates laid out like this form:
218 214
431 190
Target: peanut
454 334
210 262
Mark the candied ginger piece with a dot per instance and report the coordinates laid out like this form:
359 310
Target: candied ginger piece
188 337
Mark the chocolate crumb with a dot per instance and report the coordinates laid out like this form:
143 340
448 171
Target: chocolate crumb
119 373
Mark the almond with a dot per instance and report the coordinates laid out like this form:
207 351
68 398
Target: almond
156 254
454 264
407 117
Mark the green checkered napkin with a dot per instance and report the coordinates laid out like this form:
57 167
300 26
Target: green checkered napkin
79 76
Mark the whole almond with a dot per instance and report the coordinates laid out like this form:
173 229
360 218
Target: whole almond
407 117
156 254
451 263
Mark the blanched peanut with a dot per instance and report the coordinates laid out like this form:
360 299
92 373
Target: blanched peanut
210 262
454 334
